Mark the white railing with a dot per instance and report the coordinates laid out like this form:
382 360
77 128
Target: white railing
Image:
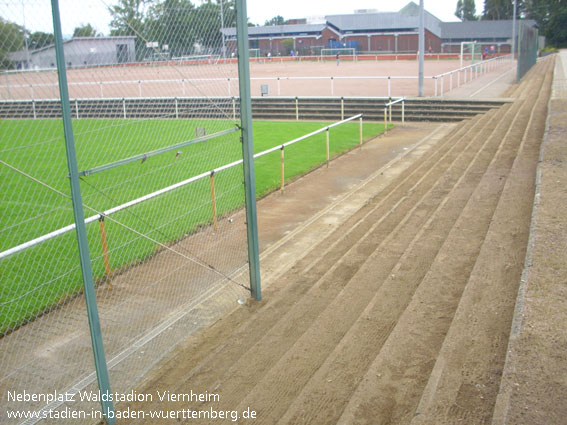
184 83
463 75
388 112
211 173
468 73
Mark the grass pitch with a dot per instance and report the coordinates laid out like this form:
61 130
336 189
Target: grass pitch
40 278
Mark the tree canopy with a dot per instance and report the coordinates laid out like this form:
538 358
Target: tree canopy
550 16
13 38
466 10
501 9
85 31
39 39
276 20
177 27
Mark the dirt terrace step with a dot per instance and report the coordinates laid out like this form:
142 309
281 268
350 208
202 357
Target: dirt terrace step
327 282
345 323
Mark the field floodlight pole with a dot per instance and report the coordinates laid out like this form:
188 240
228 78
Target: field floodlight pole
421 47
88 282
248 147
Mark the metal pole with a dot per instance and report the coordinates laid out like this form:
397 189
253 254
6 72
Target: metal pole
25 38
518 72
222 27
88 283
248 147
421 47
514 30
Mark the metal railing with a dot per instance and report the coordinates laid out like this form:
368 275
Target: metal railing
100 215
183 86
388 112
469 73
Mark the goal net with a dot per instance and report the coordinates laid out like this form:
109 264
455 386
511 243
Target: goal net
343 51
254 53
470 51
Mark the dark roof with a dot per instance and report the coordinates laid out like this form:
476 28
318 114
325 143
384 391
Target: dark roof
476 30
384 21
410 9
279 30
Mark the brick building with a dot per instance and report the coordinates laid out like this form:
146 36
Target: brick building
386 32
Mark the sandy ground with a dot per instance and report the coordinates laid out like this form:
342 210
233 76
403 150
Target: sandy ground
295 79
402 311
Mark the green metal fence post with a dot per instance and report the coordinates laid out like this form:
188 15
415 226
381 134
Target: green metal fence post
519 54
248 147
88 283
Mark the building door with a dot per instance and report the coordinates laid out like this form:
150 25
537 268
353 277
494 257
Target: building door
122 53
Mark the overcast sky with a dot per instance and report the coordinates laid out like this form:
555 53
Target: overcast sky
76 12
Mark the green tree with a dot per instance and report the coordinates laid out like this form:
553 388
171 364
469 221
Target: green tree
549 15
39 39
287 45
466 10
85 31
276 20
128 18
501 9
172 23
556 29
208 23
12 39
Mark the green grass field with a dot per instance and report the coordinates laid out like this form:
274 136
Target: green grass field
43 276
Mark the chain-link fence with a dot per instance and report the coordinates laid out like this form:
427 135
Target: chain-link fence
166 233
528 45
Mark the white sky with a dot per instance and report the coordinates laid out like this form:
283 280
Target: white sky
76 12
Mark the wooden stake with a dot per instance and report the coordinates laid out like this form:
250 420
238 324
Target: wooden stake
214 201
327 133
104 245
282 169
361 132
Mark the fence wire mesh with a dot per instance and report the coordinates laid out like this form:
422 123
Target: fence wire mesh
165 233
527 48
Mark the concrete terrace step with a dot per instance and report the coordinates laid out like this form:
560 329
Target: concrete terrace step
262 108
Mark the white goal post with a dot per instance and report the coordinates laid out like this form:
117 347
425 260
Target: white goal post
473 49
342 51
254 53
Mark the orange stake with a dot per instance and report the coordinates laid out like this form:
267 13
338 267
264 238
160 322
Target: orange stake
215 225
104 245
282 169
